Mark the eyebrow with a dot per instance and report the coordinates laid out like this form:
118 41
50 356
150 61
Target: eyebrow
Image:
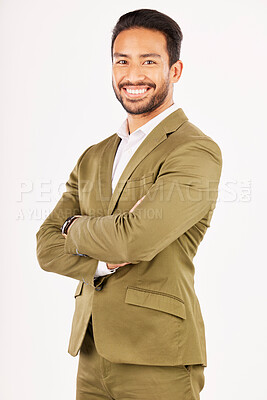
155 55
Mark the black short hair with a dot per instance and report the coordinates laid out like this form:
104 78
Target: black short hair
154 20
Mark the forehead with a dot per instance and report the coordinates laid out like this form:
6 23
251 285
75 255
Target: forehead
140 40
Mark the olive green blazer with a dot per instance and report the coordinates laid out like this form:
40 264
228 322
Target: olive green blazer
147 312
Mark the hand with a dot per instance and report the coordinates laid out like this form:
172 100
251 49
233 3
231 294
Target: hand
112 266
136 204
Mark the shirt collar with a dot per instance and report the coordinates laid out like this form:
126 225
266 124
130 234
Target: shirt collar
149 126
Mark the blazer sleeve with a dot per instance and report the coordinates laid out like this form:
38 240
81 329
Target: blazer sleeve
50 242
186 189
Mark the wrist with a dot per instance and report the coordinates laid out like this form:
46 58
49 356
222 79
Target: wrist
69 221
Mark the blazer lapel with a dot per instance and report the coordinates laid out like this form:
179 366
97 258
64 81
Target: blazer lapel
105 170
153 139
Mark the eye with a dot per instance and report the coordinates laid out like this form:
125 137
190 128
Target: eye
122 62
150 62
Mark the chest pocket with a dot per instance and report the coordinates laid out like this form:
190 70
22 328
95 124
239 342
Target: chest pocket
134 189
140 181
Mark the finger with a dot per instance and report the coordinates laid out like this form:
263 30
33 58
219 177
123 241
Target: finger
136 204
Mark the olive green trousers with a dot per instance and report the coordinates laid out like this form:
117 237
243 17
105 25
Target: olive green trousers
98 378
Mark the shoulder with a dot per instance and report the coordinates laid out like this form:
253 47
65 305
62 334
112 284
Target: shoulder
95 149
191 148
189 136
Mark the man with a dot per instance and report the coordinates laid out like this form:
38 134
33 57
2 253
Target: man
136 207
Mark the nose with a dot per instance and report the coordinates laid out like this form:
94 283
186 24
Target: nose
134 73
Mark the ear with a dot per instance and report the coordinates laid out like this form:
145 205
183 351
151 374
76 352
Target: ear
176 71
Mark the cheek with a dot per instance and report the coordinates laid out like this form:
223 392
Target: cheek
117 76
157 75
159 81
165 77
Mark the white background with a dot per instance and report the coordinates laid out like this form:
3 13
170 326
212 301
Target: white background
57 100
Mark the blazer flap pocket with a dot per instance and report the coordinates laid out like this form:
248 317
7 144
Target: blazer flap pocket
156 300
79 289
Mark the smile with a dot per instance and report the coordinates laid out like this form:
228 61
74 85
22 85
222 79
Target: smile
134 92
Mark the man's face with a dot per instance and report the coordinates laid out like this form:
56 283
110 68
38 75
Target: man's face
140 70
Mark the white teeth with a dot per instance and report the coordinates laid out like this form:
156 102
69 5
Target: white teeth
137 91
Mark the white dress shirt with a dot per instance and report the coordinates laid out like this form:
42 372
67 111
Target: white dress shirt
126 149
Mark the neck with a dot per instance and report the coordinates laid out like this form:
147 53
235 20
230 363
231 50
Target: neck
137 120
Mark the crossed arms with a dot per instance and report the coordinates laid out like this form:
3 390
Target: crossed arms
185 191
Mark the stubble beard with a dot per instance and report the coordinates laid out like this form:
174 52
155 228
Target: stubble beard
139 106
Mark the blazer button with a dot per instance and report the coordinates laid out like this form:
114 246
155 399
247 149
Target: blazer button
98 288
